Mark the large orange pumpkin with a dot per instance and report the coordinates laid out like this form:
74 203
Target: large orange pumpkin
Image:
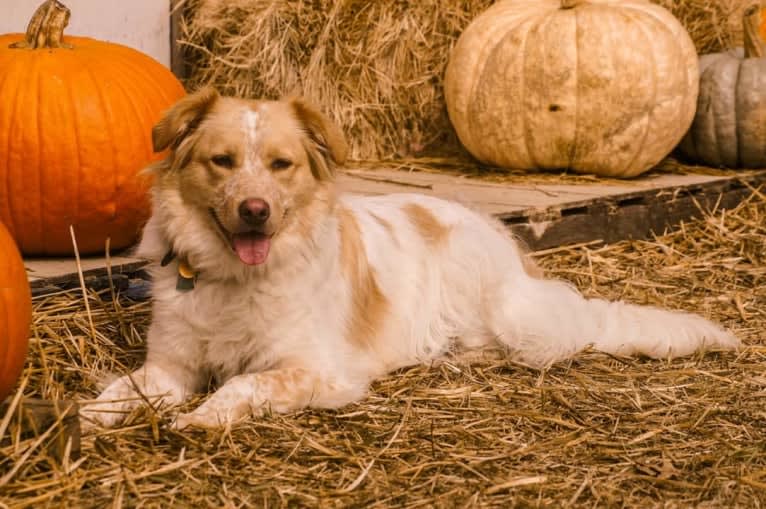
15 313
75 131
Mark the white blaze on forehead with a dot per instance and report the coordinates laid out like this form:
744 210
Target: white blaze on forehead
250 128
251 124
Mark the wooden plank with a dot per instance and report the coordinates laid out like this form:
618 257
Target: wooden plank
489 198
47 275
499 198
635 215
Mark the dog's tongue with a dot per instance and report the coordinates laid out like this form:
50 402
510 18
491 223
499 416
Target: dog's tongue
252 248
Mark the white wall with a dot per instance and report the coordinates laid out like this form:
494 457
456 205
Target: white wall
141 24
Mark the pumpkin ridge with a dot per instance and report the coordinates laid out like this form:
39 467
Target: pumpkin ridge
479 68
527 23
541 28
138 113
40 238
695 134
737 115
645 135
654 12
6 318
77 131
15 313
717 126
113 227
610 124
4 129
123 63
138 110
142 108
129 100
160 89
522 89
107 122
14 222
575 137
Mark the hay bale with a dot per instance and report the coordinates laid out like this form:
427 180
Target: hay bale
713 26
376 67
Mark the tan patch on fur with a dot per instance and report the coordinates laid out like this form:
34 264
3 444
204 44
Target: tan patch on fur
426 223
285 390
313 206
368 304
385 224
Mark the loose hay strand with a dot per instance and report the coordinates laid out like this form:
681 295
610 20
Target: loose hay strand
82 287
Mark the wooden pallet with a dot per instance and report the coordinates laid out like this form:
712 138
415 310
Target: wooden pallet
543 215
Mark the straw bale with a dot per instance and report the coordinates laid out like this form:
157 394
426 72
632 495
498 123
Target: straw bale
598 431
376 67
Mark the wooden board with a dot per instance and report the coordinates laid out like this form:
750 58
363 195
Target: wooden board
542 215
47 275
504 199
551 215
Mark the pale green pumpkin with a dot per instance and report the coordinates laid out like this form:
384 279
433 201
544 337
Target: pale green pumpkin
729 128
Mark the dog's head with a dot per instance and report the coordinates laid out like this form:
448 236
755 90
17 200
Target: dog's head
245 169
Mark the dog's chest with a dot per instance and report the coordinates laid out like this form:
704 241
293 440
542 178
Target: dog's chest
242 328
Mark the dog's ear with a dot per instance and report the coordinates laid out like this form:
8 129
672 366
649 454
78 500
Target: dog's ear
182 118
327 146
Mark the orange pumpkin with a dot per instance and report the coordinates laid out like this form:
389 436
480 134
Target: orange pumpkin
762 27
75 131
15 313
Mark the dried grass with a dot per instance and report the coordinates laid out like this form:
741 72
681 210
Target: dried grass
597 431
376 67
713 26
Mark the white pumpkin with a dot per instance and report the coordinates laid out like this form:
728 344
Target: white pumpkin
596 86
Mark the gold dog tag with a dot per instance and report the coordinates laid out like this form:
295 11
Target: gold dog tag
186 277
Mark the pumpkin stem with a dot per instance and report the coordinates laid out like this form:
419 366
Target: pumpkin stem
755 46
570 4
46 28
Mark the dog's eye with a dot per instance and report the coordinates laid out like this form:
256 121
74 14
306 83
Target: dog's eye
281 164
223 160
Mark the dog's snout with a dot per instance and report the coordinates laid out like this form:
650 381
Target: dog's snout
254 211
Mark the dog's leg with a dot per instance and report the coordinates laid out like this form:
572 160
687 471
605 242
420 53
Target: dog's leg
152 382
281 390
543 321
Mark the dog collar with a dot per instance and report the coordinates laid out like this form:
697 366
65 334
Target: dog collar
187 277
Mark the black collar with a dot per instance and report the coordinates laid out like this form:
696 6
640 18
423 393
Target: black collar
187 277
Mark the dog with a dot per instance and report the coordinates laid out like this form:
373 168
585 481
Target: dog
292 295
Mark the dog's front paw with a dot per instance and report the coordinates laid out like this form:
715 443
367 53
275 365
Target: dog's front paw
227 405
111 406
149 384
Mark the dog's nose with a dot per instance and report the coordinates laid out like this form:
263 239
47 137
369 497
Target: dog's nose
254 211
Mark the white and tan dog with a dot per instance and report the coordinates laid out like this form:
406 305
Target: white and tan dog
301 296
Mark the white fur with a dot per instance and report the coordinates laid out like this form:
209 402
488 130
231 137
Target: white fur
250 127
275 335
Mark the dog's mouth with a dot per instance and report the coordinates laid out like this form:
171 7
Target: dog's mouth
252 247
